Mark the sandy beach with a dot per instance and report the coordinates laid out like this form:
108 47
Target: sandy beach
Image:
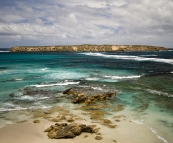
125 130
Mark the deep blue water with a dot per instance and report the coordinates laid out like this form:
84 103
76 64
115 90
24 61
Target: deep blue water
138 77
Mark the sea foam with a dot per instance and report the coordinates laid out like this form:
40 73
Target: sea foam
54 84
122 77
159 93
161 138
97 88
137 122
151 129
14 109
92 78
149 55
129 57
19 79
31 98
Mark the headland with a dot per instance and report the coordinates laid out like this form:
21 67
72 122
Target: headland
87 48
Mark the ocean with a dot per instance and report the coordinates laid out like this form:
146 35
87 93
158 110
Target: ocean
143 82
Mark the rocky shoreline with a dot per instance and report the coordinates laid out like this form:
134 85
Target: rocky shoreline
87 48
83 117
64 130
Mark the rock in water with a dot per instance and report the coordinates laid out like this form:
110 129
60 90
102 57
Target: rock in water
67 91
80 98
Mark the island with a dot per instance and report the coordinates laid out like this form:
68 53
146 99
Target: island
87 48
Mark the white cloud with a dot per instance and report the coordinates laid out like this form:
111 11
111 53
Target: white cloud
92 21
73 17
8 38
96 4
11 18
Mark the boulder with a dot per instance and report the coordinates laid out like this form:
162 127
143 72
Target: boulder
98 137
107 121
80 98
88 129
76 128
64 130
69 119
67 91
36 121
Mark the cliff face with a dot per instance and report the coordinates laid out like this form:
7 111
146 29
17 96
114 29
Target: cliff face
86 48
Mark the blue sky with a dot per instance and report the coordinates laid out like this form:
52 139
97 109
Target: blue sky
66 22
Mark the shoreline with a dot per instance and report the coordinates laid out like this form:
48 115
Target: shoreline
126 131
119 126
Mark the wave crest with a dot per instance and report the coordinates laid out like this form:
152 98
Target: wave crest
129 57
55 84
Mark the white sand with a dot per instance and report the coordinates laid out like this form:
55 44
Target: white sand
125 132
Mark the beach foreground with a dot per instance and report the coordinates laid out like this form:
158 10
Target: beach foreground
126 131
113 126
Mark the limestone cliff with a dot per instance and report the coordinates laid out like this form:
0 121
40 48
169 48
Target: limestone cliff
86 48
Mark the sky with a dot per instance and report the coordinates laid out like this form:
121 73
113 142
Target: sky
73 22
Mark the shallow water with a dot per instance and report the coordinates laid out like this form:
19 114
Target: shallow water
143 82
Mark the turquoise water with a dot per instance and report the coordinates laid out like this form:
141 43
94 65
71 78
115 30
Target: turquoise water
143 82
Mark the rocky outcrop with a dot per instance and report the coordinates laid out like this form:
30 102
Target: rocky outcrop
98 137
36 121
80 97
64 130
86 48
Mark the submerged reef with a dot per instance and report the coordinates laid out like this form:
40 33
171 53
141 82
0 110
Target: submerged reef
86 48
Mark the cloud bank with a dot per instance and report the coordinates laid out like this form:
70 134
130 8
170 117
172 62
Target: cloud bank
64 22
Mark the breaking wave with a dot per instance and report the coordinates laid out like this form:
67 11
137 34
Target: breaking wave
129 57
92 78
149 55
31 98
3 51
112 78
19 79
97 88
55 84
15 109
122 77
159 93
